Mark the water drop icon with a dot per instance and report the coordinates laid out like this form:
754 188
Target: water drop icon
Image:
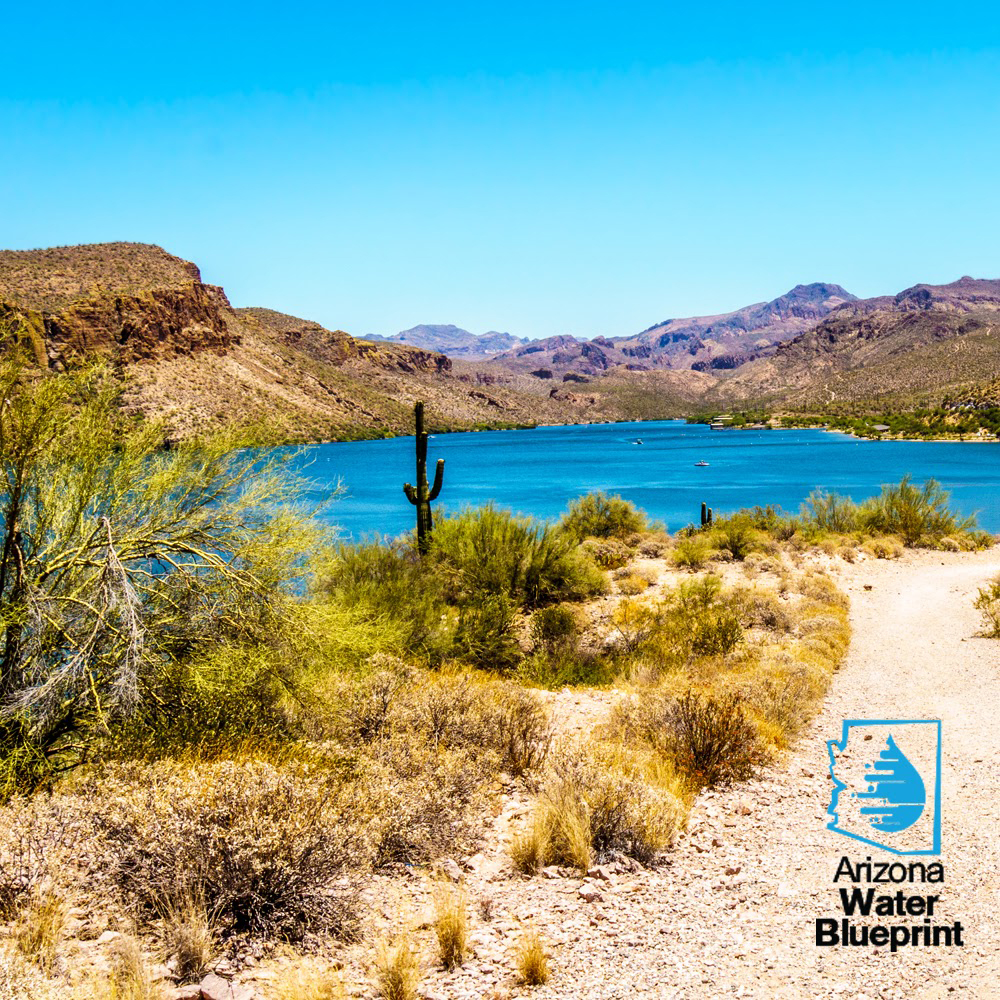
897 791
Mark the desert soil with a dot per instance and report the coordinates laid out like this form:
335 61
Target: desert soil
732 913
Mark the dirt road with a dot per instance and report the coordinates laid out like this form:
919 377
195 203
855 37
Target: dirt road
733 914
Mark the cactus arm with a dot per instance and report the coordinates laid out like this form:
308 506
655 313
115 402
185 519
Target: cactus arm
438 480
411 493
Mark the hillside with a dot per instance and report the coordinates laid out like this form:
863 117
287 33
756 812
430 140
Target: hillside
917 345
729 340
186 355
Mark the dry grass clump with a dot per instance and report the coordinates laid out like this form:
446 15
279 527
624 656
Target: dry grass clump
602 799
40 929
397 971
531 959
131 977
188 936
634 583
309 980
451 925
883 547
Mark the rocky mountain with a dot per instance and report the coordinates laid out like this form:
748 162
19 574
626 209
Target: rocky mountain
454 341
565 357
914 345
186 355
726 341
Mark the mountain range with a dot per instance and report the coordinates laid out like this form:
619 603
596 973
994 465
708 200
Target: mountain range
186 355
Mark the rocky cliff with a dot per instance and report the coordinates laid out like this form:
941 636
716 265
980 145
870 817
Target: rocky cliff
128 302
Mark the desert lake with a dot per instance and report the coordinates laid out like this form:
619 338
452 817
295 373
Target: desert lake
539 471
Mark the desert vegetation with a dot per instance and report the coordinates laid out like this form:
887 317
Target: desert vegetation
224 734
987 602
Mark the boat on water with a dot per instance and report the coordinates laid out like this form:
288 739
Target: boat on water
701 463
637 441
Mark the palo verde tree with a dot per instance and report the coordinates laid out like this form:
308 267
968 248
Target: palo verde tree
121 554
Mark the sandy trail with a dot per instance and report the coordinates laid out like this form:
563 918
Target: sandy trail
733 913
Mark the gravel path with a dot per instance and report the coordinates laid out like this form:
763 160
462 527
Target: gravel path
732 915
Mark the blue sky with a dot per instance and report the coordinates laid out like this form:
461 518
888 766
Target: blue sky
588 168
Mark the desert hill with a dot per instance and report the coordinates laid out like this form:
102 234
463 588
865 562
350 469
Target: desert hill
187 355
917 345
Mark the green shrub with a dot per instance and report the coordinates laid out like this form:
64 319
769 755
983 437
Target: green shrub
598 515
553 628
700 621
388 581
917 514
209 704
831 512
487 633
736 535
491 551
567 667
692 552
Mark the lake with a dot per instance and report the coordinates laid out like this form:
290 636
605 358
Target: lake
539 471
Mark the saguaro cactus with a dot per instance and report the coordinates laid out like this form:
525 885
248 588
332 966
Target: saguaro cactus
422 495
706 515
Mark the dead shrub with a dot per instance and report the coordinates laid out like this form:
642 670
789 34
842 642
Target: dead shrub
711 738
34 835
420 801
608 553
265 848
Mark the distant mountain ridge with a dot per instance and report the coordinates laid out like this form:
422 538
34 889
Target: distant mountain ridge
726 341
454 341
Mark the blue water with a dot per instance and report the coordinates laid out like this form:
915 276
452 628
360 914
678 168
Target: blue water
539 471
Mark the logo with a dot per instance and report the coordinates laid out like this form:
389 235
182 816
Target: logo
887 784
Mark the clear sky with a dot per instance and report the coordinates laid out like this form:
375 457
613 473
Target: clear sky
586 168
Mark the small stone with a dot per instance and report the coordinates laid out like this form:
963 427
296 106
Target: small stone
214 987
108 936
449 868
590 895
